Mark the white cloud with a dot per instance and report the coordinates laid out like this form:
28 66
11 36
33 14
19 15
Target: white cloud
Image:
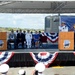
35 21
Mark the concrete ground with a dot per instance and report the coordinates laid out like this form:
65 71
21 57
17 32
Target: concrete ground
49 71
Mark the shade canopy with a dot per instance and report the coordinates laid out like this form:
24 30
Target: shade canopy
37 6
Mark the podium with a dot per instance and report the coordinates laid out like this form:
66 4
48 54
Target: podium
3 40
66 41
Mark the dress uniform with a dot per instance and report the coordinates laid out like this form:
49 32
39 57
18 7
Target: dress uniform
4 69
28 38
63 27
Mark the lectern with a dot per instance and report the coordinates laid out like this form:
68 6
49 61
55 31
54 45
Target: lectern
3 41
66 41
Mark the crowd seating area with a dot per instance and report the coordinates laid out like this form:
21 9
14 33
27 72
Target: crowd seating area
17 41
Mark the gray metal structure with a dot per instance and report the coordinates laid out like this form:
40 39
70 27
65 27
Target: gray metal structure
36 6
52 24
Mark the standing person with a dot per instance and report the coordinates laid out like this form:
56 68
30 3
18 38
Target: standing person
20 38
63 27
4 69
28 39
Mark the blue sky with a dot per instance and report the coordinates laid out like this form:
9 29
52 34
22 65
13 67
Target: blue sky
31 21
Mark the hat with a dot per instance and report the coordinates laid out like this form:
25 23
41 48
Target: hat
4 68
21 72
63 22
40 67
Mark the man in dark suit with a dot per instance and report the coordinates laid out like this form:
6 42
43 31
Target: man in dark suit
20 39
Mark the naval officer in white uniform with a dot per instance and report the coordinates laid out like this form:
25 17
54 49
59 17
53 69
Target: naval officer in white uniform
28 38
63 27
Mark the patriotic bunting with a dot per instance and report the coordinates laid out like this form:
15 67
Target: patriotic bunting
5 56
45 57
53 37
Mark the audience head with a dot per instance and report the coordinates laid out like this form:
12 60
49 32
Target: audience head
63 23
36 32
24 31
21 72
31 32
4 69
28 31
40 67
39 32
17 31
20 31
12 30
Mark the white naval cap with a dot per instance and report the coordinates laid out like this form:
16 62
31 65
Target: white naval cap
63 22
40 67
21 72
4 68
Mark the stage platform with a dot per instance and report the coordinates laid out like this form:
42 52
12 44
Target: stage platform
34 50
50 56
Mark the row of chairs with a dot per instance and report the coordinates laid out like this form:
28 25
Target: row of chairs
12 46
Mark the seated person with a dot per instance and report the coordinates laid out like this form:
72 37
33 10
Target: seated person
12 38
20 38
24 39
44 39
40 38
36 39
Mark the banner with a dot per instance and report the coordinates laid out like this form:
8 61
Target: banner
44 57
5 57
70 22
52 37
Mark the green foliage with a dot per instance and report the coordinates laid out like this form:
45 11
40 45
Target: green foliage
2 29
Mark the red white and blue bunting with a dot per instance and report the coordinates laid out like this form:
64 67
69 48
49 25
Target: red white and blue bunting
5 57
74 53
45 57
52 37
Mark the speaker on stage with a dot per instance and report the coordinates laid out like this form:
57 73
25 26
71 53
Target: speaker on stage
66 41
